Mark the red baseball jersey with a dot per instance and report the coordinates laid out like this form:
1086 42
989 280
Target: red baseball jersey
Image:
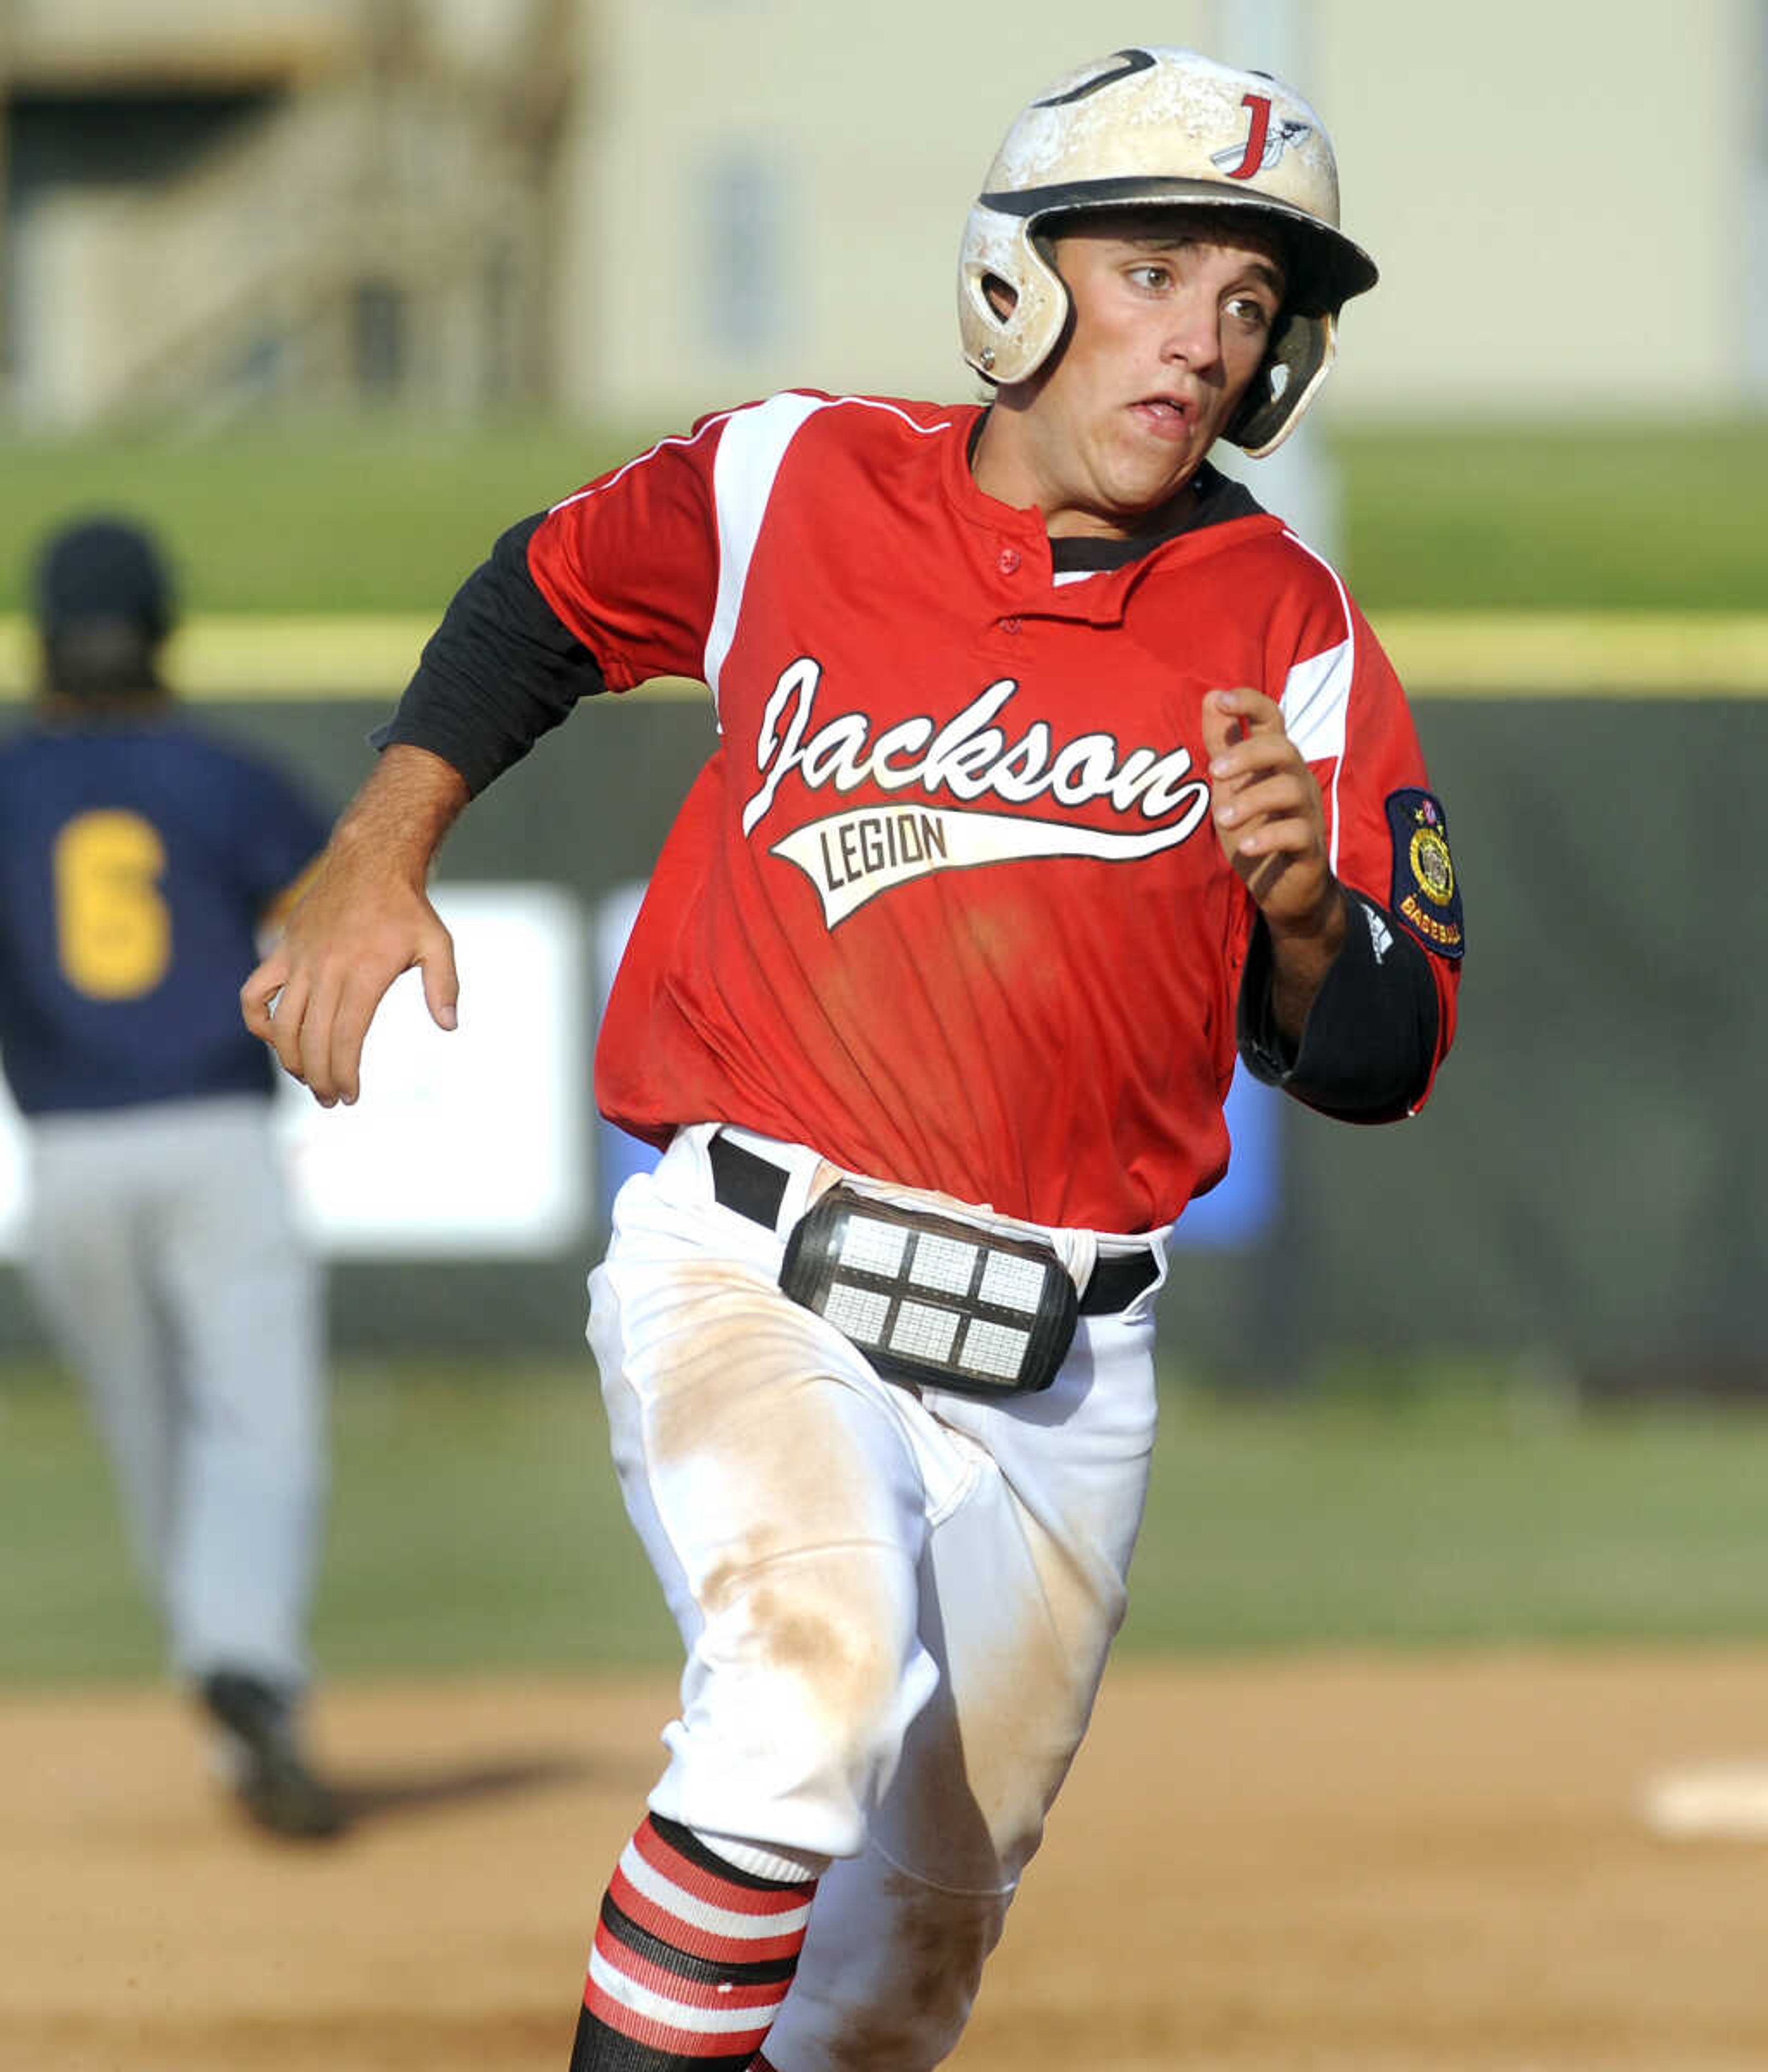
948 902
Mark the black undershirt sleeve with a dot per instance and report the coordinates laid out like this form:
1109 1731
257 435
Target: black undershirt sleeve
1370 1036
500 670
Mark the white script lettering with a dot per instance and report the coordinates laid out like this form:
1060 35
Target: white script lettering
968 758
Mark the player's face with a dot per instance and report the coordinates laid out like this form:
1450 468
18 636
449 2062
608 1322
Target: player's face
1172 318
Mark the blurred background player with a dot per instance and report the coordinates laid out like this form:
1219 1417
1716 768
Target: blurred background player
139 860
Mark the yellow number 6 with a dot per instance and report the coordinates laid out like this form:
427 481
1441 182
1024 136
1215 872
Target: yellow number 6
113 927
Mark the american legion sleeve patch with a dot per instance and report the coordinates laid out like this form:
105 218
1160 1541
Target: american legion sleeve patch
1426 892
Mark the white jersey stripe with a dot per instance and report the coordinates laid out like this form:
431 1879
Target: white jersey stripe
1315 694
677 2014
663 1892
753 445
1332 695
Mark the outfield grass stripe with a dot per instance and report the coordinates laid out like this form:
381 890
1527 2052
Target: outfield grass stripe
1540 653
1438 654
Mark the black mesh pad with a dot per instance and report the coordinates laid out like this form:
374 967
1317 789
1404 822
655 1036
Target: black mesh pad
930 1301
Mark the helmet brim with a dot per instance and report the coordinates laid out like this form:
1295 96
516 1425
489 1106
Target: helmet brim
1326 268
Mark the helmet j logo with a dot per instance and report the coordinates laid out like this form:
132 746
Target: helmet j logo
1265 143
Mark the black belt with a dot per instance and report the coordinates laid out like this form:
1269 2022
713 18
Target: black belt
755 1187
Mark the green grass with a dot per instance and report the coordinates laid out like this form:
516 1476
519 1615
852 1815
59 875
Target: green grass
475 1524
388 515
476 1521
1492 1520
1591 518
372 516
473 1521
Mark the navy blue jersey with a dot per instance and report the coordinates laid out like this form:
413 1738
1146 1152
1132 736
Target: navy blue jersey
138 855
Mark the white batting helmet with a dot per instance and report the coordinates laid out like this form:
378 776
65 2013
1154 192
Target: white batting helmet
1156 124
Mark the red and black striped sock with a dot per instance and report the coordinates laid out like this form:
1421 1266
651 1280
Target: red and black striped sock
691 1959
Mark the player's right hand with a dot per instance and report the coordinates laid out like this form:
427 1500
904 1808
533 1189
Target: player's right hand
364 919
314 997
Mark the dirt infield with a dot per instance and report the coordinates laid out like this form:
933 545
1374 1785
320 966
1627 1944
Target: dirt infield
1327 1863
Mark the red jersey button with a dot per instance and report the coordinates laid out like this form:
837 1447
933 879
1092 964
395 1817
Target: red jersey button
1009 559
1010 625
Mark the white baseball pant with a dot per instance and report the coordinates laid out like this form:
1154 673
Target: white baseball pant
896 1608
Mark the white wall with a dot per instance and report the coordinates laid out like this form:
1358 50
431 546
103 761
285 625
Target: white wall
1556 193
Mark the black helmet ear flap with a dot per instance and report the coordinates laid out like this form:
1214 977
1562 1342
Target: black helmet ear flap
1300 359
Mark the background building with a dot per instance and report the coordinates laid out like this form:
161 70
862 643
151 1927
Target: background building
637 209
1559 196
210 209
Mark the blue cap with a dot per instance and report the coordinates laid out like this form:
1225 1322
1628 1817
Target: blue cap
103 570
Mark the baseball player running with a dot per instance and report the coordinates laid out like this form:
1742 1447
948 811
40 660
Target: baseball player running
139 857
1052 770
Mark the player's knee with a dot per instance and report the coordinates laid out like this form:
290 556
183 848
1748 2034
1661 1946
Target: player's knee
842 1665
840 1649
803 1685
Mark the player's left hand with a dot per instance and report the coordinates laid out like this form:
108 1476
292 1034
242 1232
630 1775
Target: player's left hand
1268 814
